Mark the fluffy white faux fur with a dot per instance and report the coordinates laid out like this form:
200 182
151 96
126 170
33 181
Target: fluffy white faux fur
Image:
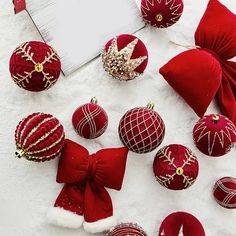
100 226
60 217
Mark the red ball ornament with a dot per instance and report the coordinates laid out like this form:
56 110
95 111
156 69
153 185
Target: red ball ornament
141 129
35 66
126 229
125 57
162 13
39 137
90 120
181 224
175 167
214 135
225 192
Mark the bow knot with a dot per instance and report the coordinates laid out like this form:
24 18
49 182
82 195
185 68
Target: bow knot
92 165
85 177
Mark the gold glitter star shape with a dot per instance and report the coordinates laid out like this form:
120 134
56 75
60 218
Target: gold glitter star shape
119 63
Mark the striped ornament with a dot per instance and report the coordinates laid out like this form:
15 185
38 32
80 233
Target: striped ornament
225 192
141 129
126 229
39 137
90 120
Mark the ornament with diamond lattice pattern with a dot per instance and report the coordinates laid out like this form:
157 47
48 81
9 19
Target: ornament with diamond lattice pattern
39 137
125 57
214 135
35 66
181 224
126 229
141 129
162 13
175 167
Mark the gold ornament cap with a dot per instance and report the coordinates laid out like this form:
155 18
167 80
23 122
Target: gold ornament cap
150 105
38 67
19 153
215 118
94 100
179 171
159 17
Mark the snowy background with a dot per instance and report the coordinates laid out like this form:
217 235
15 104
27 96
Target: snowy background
28 189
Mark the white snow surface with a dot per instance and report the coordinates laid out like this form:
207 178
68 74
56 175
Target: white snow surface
29 189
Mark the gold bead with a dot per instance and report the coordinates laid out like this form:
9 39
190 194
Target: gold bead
159 17
38 67
179 171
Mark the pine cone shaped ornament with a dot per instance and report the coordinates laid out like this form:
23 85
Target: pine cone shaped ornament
39 137
214 135
175 167
141 129
35 66
126 229
90 120
161 13
125 57
225 192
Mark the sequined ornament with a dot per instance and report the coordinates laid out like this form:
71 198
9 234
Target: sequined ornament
126 229
162 13
225 192
181 224
90 120
141 129
175 167
214 135
39 137
35 66
125 57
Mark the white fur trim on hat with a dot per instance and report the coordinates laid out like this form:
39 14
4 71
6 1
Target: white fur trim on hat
60 217
100 225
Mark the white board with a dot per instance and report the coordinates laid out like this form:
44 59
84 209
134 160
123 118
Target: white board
78 29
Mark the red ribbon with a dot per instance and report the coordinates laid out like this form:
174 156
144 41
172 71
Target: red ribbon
86 176
217 33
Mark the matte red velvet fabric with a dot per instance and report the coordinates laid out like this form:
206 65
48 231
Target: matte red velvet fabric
198 77
86 176
172 224
23 63
175 167
214 138
225 192
90 120
40 137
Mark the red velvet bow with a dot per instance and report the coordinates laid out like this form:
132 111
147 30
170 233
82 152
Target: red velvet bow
86 176
199 75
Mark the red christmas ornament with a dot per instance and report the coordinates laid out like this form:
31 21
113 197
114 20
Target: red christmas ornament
90 120
175 167
141 129
181 224
225 192
214 135
162 13
126 229
39 137
125 57
35 66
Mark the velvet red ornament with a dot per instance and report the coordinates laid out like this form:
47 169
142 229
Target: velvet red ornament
39 137
141 129
125 57
214 135
84 197
215 38
181 224
162 13
225 192
90 120
126 229
35 66
175 167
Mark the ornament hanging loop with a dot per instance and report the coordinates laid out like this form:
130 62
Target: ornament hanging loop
94 100
215 119
150 105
